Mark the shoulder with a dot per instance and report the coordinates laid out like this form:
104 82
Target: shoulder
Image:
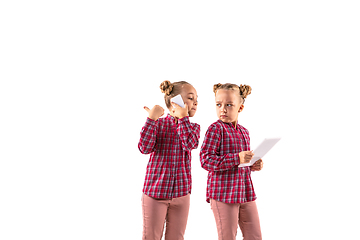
243 128
216 127
195 125
164 120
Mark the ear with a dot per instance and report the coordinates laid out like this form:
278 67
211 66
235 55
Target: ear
172 109
241 107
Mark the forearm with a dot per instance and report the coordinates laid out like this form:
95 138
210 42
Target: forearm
213 162
148 137
189 134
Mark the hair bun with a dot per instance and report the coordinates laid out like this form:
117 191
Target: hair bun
166 87
216 87
245 90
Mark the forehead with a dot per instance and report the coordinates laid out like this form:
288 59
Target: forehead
188 89
224 95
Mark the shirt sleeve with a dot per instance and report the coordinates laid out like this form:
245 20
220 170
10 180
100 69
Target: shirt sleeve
189 133
148 137
209 153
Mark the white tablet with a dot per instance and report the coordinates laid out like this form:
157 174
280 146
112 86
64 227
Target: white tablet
261 150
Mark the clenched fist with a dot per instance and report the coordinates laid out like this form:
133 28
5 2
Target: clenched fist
155 112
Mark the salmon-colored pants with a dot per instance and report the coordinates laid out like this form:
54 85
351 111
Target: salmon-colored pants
228 216
155 211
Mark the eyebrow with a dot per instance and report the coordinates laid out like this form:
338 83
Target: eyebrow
218 101
193 94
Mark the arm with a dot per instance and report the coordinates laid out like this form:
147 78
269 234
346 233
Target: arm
148 137
149 131
209 155
189 134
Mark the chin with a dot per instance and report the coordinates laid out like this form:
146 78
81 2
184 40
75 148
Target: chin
191 114
226 120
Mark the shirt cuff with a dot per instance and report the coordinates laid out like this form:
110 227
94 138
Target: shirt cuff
236 159
150 121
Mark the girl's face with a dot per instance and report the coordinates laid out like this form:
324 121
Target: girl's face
189 96
228 105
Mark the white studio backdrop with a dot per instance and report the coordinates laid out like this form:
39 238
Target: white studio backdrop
75 76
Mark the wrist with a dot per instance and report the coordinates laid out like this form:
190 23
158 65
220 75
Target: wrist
153 117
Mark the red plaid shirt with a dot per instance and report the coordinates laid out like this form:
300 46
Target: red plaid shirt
168 173
220 156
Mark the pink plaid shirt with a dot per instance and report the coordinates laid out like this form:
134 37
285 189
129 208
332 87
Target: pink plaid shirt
168 173
220 156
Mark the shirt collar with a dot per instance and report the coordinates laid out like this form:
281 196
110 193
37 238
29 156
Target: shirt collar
171 118
230 124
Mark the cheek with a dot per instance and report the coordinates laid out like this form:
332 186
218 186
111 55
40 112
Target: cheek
189 102
232 112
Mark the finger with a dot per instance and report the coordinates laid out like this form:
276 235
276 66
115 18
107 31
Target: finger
147 109
249 157
248 153
175 105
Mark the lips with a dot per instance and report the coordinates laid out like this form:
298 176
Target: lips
223 116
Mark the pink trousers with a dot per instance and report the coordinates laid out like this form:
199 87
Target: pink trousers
228 216
156 211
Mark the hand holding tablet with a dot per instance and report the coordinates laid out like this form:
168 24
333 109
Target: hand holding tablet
261 150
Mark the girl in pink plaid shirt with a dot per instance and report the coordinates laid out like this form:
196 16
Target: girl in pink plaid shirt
229 187
169 140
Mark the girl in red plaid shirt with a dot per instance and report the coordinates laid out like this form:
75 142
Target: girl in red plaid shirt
169 140
229 187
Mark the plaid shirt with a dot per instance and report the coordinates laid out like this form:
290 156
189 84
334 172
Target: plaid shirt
220 156
168 173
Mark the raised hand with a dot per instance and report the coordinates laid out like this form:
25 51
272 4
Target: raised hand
178 111
155 112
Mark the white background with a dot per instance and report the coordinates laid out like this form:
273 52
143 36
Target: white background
76 74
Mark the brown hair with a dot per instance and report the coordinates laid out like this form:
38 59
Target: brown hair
171 90
244 90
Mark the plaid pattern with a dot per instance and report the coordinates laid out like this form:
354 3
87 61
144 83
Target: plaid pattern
220 156
168 173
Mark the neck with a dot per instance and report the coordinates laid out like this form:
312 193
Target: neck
235 123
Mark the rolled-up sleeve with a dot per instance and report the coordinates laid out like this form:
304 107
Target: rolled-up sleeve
210 158
189 133
148 134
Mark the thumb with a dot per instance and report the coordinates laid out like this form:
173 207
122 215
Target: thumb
147 109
